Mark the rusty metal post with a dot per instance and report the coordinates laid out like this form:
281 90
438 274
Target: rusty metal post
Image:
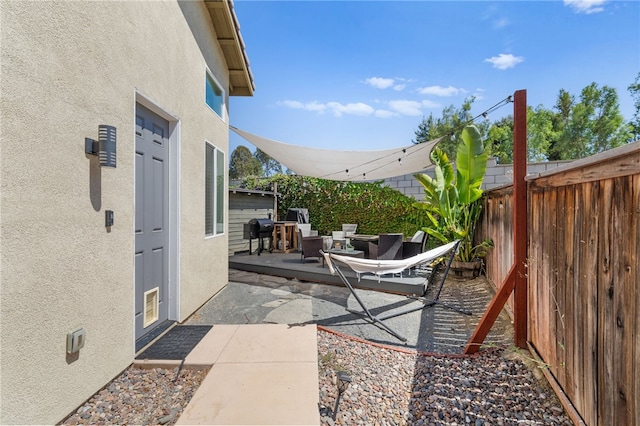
520 214
517 276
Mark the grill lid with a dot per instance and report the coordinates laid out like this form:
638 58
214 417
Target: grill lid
261 225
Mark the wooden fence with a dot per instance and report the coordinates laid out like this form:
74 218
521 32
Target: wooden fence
497 224
583 278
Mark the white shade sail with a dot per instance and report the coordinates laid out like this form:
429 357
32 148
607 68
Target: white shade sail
345 165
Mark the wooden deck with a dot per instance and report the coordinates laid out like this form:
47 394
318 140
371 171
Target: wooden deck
289 265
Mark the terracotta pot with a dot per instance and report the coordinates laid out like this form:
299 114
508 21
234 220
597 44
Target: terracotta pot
466 269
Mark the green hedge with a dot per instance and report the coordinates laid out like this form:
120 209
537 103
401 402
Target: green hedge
375 208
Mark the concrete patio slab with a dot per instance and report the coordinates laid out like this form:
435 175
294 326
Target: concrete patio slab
257 343
261 374
247 393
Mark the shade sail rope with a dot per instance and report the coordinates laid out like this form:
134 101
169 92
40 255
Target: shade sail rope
404 153
345 165
354 165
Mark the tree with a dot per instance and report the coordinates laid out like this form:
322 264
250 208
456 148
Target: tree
634 90
571 130
563 106
541 133
452 122
590 126
500 140
243 164
270 166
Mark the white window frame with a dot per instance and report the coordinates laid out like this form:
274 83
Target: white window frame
214 191
223 95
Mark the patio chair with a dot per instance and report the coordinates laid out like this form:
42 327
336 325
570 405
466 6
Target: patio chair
305 229
310 246
349 229
415 245
382 267
389 247
338 237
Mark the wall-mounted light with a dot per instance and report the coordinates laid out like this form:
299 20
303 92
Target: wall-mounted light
104 147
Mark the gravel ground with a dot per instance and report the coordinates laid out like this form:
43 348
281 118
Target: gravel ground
389 387
140 397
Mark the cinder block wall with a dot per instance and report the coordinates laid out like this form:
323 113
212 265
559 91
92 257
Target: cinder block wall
497 175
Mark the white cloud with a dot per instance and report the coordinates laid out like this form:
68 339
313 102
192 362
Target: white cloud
478 94
500 23
493 14
399 87
406 107
336 108
357 108
505 61
586 6
395 108
383 113
440 91
380 83
430 104
309 106
292 104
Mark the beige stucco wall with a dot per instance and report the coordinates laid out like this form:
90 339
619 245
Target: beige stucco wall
66 68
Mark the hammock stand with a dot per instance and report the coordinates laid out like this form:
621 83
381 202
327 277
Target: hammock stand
383 267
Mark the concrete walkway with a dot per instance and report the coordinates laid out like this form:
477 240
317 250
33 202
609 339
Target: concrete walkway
259 375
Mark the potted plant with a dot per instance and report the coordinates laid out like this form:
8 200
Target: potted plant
452 199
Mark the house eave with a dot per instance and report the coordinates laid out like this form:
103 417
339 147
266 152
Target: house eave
227 30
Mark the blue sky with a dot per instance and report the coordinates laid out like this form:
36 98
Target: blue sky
361 75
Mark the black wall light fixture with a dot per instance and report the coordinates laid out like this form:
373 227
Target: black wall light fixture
104 147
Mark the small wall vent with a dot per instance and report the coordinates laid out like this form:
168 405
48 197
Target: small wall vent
151 301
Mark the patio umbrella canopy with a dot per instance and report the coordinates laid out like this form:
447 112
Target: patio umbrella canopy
345 165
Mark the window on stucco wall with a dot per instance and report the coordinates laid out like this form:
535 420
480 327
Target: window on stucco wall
214 95
214 191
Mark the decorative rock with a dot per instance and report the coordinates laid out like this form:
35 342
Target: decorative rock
388 388
152 397
411 389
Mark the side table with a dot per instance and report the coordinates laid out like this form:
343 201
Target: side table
285 237
343 252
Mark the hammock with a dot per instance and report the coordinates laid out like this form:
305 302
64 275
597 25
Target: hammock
383 267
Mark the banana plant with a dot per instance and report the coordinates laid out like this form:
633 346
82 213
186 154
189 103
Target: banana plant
471 165
452 199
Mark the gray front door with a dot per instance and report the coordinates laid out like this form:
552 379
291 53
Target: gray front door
151 221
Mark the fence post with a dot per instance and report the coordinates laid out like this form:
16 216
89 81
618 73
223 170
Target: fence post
520 214
516 279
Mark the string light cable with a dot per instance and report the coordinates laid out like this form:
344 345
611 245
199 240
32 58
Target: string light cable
397 156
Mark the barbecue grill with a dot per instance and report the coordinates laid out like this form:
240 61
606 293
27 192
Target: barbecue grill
260 229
